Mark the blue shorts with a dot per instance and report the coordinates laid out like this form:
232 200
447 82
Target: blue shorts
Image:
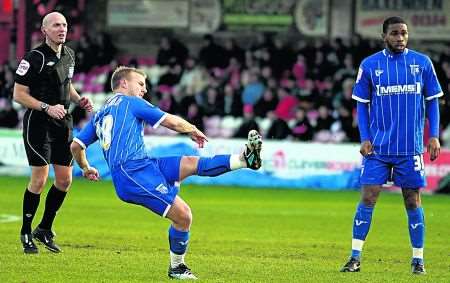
152 183
405 171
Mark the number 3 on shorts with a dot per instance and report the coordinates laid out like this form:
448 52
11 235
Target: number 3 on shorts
418 163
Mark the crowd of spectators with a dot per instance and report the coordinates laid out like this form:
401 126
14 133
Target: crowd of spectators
287 90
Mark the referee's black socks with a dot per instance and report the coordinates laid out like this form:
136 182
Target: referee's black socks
30 205
53 202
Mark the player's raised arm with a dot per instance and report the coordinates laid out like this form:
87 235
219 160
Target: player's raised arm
180 125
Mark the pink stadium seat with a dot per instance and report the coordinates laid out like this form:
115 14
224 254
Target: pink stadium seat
312 115
97 88
78 77
212 126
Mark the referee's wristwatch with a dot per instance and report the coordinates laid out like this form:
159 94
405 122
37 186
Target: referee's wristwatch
44 107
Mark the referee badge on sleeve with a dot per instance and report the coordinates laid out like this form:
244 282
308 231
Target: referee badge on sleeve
71 69
23 67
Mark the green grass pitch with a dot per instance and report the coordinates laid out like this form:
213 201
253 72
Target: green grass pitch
238 235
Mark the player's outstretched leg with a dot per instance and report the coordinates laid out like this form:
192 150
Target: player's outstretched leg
220 164
252 152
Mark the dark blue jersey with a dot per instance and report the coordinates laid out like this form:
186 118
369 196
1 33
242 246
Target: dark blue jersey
119 127
396 86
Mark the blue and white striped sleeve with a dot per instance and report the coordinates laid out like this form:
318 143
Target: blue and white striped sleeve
361 89
147 112
87 135
432 88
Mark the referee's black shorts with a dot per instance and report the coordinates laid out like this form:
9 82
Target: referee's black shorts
47 140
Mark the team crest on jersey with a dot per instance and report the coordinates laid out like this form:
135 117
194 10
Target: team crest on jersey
23 67
414 69
378 72
51 63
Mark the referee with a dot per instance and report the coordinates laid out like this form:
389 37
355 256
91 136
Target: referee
43 85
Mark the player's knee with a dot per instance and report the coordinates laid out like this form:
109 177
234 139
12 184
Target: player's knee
190 163
185 217
411 204
369 201
37 185
63 184
411 198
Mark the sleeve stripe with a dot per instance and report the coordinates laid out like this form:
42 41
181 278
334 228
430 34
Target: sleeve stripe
156 125
43 59
434 96
78 141
360 99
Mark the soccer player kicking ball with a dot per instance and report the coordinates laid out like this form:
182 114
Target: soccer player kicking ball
395 89
153 182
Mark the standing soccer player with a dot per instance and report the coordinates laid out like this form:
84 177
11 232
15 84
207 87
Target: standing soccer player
395 90
43 84
139 179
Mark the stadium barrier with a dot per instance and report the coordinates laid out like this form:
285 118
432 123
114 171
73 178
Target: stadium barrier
286 164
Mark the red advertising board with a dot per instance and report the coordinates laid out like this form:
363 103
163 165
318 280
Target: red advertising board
6 11
437 169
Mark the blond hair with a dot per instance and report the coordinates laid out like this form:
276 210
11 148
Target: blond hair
123 72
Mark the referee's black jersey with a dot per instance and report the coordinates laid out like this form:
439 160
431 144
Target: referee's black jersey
47 76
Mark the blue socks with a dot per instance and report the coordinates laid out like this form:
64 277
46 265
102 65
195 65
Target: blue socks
213 166
416 226
178 241
361 225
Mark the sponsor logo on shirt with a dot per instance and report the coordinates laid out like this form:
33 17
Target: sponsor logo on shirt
399 89
378 72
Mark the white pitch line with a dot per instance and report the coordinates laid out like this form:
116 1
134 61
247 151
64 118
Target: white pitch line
5 218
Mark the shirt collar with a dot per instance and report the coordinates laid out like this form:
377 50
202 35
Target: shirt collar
390 54
51 51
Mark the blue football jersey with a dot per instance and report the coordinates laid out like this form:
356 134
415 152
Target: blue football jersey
119 127
396 86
